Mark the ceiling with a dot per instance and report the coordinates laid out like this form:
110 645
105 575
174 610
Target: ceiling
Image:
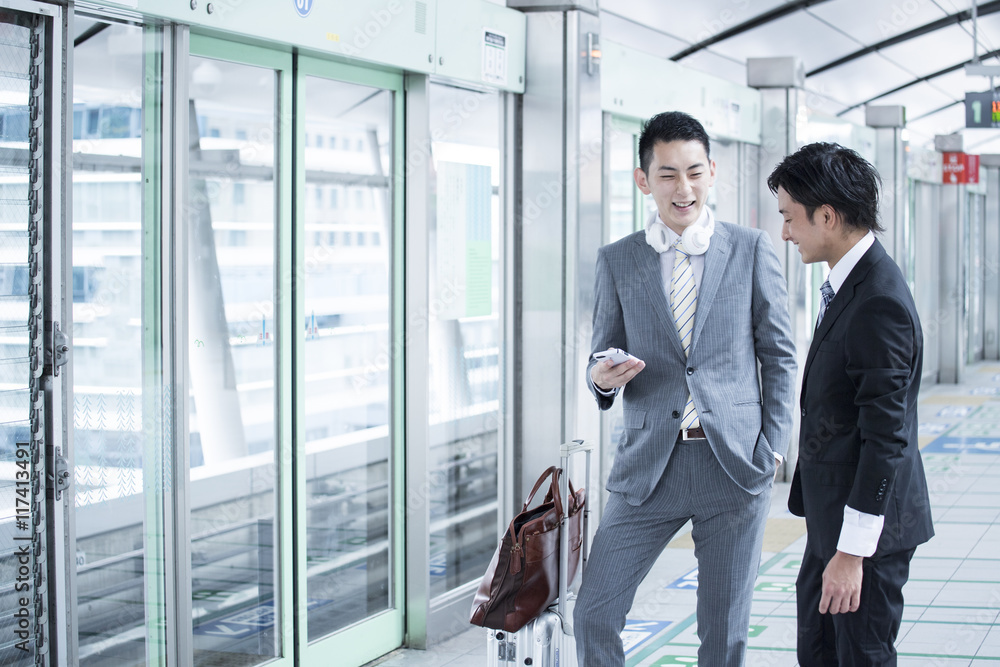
855 52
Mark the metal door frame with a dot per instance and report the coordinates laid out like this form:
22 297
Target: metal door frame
383 632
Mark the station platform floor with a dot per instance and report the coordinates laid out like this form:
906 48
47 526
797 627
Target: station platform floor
952 612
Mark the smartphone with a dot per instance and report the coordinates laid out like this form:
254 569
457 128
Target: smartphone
616 356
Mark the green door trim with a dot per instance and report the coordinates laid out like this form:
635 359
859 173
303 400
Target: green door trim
632 126
383 632
154 383
281 63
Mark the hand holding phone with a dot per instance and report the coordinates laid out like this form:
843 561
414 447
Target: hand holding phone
619 373
616 355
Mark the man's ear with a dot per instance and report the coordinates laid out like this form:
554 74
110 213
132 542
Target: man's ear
828 216
640 180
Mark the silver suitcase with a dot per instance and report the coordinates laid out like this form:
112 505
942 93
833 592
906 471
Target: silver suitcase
547 641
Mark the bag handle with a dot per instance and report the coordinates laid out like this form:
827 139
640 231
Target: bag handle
553 491
572 497
553 472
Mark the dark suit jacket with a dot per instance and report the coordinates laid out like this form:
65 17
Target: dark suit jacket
858 436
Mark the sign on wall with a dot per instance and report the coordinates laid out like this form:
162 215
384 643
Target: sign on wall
959 168
982 109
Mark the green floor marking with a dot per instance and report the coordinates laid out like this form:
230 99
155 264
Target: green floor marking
676 660
986 411
948 657
975 430
775 587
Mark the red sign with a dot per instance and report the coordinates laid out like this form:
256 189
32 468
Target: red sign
959 168
972 168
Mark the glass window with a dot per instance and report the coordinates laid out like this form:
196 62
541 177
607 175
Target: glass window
347 369
464 335
110 410
622 187
232 364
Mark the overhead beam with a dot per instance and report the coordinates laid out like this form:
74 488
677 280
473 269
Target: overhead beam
93 30
952 19
946 70
755 22
934 111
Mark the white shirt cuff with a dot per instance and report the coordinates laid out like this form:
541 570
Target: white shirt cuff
609 393
779 458
860 532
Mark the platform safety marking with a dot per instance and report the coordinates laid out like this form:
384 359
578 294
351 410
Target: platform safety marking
988 412
976 430
954 411
775 587
670 660
931 428
972 445
688 582
247 622
637 633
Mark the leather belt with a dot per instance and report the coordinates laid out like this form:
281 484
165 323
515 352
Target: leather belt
692 434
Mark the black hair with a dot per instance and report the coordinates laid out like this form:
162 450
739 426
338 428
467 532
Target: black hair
666 127
823 173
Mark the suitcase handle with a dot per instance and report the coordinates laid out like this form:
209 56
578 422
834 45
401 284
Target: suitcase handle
567 450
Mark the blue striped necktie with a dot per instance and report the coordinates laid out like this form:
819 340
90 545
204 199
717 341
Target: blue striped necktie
684 303
827 291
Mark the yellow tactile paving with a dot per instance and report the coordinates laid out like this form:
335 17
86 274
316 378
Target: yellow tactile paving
955 400
780 533
683 541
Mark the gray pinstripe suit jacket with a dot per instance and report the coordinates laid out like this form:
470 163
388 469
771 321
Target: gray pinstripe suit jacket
742 319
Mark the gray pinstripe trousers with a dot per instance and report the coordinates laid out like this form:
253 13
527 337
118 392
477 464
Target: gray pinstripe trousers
728 531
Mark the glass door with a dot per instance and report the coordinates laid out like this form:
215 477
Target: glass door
348 355
464 341
625 212
118 407
239 345
975 322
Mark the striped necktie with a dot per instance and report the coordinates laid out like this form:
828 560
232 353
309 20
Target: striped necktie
827 291
684 303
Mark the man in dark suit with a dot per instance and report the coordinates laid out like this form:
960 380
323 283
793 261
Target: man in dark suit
859 481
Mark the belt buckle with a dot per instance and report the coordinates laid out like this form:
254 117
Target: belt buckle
684 434
685 431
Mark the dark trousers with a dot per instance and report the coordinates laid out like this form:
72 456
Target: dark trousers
863 638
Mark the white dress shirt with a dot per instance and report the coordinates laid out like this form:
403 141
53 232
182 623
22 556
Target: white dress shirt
860 533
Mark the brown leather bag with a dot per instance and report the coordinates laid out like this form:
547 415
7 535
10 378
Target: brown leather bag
523 577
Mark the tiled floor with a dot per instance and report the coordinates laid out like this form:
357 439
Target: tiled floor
952 614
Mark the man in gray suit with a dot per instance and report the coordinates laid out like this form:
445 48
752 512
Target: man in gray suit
698 305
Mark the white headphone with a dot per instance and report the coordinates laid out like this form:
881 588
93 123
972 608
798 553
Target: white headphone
695 239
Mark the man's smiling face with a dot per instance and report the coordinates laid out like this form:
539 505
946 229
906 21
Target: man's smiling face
679 177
